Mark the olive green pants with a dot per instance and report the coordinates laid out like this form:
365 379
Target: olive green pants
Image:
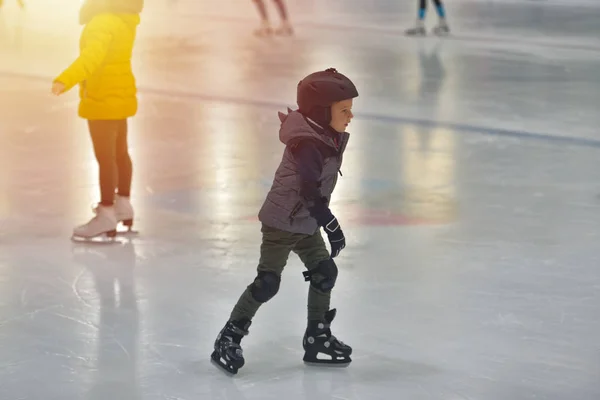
274 252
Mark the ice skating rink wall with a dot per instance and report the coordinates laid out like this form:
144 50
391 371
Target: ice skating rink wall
561 36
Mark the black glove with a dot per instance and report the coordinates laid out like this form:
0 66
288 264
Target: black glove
335 236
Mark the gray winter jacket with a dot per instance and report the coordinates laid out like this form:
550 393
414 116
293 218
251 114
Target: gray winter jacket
286 207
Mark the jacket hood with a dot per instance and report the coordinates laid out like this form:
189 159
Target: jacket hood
91 8
294 127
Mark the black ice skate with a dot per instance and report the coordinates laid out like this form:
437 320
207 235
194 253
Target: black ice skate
228 353
319 340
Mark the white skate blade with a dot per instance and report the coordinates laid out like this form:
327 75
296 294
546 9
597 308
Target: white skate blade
100 239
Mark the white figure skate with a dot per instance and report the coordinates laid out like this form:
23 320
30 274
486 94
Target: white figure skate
102 228
417 30
442 28
123 212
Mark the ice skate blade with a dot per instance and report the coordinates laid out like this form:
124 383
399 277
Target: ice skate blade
415 33
222 368
100 239
339 362
441 33
215 359
328 364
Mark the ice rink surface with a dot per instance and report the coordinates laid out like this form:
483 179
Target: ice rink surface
470 202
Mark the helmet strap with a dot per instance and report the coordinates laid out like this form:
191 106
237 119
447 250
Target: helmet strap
320 115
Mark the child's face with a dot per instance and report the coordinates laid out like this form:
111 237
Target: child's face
341 115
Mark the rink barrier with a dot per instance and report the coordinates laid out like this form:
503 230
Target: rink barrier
391 119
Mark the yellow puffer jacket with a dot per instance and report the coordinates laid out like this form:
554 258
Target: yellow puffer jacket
107 86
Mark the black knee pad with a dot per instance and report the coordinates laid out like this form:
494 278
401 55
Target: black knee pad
322 277
265 286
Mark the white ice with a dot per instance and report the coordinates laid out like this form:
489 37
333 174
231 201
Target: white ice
470 201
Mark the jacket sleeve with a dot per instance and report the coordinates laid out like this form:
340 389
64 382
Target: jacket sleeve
97 41
310 166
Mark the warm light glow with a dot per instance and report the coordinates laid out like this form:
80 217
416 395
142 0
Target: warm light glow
428 173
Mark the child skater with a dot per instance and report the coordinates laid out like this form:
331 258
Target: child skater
108 96
295 209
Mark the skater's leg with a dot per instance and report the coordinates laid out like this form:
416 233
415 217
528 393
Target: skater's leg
104 138
124 165
286 27
442 27
265 26
282 9
322 272
419 28
123 207
439 6
274 252
313 253
422 9
262 9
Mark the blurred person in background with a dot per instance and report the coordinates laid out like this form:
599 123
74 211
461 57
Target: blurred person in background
265 29
108 96
442 27
19 2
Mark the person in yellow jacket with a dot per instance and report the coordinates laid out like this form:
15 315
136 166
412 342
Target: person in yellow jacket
108 97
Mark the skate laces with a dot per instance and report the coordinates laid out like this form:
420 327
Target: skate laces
232 343
234 333
326 332
331 338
